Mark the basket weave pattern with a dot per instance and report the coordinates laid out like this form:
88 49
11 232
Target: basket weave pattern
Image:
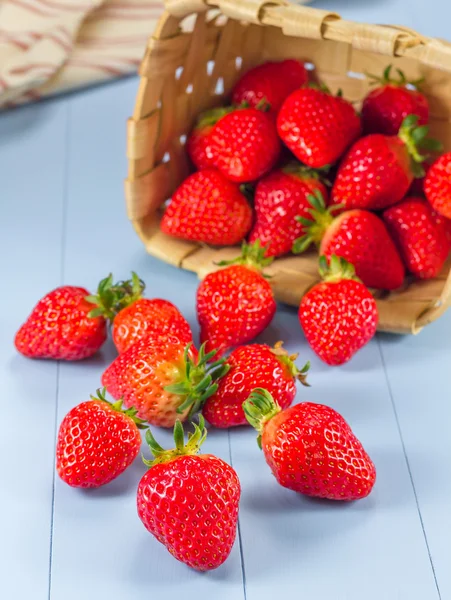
198 51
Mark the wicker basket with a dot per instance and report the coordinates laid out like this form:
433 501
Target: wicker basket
198 51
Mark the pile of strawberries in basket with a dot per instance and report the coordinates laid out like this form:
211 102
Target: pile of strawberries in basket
378 220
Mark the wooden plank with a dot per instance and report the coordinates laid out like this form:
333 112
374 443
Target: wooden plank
326 549
98 533
418 375
32 163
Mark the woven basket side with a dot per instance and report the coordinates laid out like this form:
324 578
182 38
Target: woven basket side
192 62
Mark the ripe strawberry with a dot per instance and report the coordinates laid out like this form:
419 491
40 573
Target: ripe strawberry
421 235
198 147
358 236
270 82
208 208
64 325
256 365
310 448
134 317
385 108
96 442
317 127
163 378
244 144
190 502
437 185
339 315
279 198
235 304
378 170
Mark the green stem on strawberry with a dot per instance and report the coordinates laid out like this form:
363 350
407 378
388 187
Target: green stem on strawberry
118 407
260 408
191 448
198 381
336 269
111 297
302 171
387 78
415 138
289 361
316 227
252 255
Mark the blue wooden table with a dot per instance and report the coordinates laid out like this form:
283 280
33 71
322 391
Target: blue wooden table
62 220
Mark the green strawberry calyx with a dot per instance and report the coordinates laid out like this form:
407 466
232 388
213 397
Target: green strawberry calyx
112 297
259 408
198 380
303 172
315 227
118 407
191 448
388 79
252 255
289 361
336 269
416 141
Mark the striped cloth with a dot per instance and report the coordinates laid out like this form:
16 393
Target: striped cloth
48 46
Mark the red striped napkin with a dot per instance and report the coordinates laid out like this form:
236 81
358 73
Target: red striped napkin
48 46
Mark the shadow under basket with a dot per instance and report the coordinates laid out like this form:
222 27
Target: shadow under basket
193 59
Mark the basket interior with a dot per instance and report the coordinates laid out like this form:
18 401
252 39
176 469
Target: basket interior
192 64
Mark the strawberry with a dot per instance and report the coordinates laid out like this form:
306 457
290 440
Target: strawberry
310 448
437 185
208 208
270 82
96 442
378 170
316 126
421 235
134 317
279 198
163 378
338 315
256 365
198 147
356 235
190 501
385 108
65 324
235 304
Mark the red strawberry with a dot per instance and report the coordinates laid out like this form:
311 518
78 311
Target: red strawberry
385 108
310 448
190 502
244 144
198 147
421 235
270 82
208 208
279 198
358 236
378 170
235 304
437 185
317 127
163 379
339 315
64 325
96 442
256 365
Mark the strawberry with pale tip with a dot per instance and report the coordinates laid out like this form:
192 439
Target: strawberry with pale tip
163 378
189 501
310 448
